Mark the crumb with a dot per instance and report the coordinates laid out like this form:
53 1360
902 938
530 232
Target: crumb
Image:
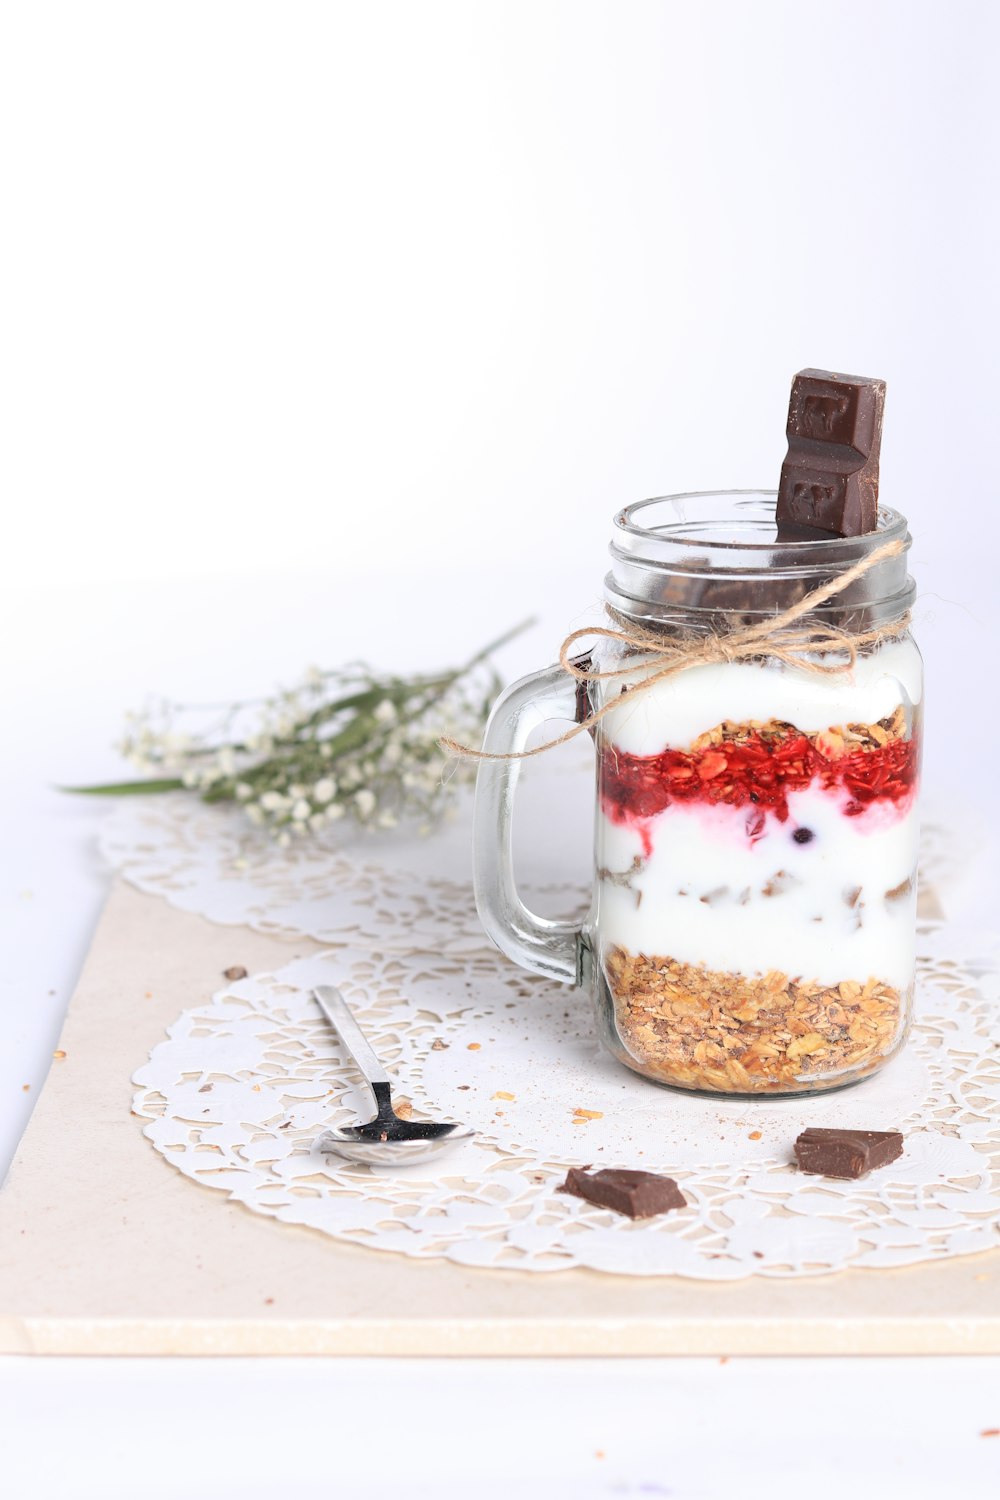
237 971
587 1114
59 1055
475 1046
502 1094
754 1135
25 1087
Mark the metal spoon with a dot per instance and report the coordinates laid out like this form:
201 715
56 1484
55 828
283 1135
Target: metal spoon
386 1139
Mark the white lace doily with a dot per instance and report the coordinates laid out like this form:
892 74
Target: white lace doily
400 890
239 1096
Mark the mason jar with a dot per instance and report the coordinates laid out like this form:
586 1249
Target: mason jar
752 925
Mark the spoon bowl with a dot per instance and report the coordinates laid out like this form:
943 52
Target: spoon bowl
387 1140
393 1142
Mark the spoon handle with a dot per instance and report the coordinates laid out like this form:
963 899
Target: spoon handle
338 1013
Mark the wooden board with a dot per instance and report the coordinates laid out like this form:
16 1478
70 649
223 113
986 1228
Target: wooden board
105 1249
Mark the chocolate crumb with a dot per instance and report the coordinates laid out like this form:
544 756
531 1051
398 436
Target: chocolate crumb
803 835
236 972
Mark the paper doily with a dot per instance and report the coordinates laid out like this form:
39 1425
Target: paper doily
240 1094
404 891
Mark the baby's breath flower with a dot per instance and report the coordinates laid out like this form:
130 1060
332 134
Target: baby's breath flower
364 801
342 744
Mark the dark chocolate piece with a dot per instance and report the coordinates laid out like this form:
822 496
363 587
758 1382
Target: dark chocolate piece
829 479
639 1195
846 1153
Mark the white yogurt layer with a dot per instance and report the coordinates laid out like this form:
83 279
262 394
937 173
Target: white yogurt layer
677 710
708 896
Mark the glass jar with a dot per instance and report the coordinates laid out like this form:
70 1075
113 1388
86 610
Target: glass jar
753 919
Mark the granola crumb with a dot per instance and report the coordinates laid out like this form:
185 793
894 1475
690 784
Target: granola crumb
236 971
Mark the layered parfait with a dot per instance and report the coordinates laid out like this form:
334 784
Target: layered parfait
756 888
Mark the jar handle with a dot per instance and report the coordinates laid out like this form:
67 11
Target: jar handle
556 949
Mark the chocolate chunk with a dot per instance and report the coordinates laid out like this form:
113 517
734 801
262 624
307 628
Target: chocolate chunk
803 835
829 479
639 1195
846 1153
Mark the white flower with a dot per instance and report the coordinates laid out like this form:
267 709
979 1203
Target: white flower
365 802
273 802
387 820
333 812
243 790
301 811
386 712
324 789
255 812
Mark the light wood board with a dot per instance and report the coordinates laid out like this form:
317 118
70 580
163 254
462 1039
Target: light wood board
104 1248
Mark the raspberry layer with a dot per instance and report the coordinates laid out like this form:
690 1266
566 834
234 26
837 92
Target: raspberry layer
757 771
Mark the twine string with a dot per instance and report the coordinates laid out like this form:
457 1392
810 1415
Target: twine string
780 637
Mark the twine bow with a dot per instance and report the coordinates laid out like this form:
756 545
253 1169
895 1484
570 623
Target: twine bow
780 637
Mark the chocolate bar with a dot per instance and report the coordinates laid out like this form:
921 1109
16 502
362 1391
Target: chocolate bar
846 1153
829 479
639 1195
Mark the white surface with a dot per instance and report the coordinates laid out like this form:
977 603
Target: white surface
283 282
692 1429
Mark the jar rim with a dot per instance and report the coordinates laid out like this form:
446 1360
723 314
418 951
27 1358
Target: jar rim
891 524
702 555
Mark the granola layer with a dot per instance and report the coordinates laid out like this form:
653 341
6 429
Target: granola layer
701 1028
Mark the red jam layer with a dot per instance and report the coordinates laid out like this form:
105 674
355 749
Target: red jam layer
758 773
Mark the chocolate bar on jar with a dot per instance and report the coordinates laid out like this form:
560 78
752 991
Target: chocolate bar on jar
829 479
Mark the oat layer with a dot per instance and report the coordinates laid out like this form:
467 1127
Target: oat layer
701 1028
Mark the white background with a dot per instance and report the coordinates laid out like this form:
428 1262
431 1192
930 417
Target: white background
344 329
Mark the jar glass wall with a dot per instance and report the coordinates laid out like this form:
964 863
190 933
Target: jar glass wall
756 848
753 921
